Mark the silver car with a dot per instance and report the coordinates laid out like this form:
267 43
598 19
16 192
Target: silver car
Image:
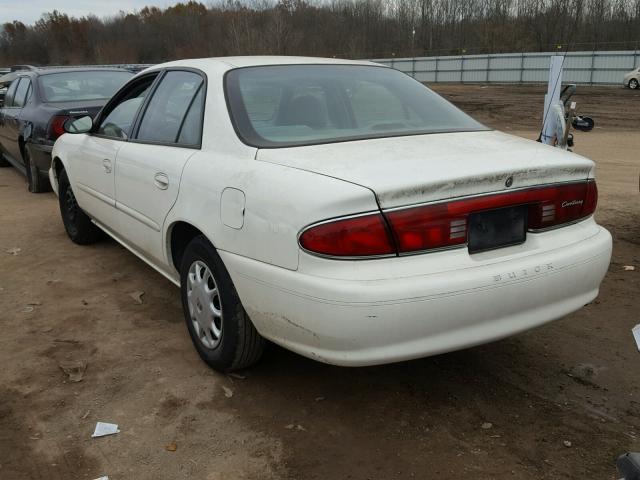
632 79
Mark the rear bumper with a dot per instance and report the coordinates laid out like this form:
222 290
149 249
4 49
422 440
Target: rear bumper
371 321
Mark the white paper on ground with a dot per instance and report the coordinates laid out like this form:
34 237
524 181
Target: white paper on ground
103 429
636 335
103 478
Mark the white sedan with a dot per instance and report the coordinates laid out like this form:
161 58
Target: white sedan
340 209
632 79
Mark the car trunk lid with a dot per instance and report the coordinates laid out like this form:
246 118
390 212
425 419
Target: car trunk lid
404 171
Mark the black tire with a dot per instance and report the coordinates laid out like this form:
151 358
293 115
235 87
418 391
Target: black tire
633 84
36 183
77 223
3 161
239 344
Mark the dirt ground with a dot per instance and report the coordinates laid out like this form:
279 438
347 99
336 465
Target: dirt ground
509 107
575 380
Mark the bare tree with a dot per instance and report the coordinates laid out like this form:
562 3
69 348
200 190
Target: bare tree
350 28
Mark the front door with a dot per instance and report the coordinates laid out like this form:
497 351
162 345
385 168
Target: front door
93 169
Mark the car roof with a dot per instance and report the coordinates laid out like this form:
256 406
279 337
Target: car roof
229 63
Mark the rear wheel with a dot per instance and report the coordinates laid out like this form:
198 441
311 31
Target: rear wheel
219 327
77 223
633 84
36 183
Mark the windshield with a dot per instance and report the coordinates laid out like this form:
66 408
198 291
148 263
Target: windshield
87 85
287 105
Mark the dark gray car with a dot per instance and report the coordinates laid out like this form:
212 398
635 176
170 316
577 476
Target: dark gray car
35 107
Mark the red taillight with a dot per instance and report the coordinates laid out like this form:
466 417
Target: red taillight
56 126
431 226
443 225
366 235
563 204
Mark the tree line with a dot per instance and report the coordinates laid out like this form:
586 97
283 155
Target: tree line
340 28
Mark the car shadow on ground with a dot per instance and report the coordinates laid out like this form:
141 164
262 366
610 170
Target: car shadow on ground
509 397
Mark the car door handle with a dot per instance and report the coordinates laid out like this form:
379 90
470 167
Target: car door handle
161 180
106 163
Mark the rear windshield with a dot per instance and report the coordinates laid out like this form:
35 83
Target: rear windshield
287 105
89 85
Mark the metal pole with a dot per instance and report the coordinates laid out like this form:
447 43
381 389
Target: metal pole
436 79
413 67
462 70
521 67
593 65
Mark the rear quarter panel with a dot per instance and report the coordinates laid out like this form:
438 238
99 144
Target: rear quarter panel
280 201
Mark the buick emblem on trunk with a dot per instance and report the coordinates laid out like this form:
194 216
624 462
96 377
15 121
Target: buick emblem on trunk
508 182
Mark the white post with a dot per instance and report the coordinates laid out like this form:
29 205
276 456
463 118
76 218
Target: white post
552 97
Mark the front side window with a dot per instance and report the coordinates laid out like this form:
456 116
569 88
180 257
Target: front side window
121 115
288 105
167 109
11 92
81 85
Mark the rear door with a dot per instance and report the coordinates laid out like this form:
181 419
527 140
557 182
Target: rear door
149 167
93 164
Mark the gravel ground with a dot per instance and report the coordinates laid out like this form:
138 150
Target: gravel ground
558 402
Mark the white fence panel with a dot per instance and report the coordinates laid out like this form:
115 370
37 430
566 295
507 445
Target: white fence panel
599 67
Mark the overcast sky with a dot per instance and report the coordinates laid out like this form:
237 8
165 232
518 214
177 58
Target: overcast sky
28 11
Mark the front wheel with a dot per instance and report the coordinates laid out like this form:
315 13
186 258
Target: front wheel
219 327
78 225
633 84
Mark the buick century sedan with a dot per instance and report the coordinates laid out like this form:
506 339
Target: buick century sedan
340 209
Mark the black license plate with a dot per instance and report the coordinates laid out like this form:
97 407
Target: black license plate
497 228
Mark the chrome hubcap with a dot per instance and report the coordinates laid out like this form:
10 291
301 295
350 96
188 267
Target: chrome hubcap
205 307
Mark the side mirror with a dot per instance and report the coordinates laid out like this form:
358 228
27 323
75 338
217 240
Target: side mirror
78 125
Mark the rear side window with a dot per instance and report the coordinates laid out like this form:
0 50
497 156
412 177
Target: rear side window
29 92
170 109
20 97
191 131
